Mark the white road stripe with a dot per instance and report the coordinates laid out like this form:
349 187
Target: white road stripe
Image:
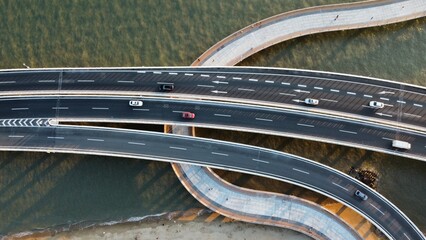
100 108
301 85
305 172
377 209
285 83
287 94
136 143
208 86
220 154
141 109
368 96
172 73
417 105
17 109
156 72
141 71
334 90
175 111
305 125
123 81
236 78
46 81
223 77
318 88
399 101
95 139
351 93
55 137
246 89
8 82
16 136
253 80
85 80
205 75
189 74
383 98
385 138
329 100
264 119
222 115
258 160
407 236
412 115
269 81
340 186
59 108
178 148
350 132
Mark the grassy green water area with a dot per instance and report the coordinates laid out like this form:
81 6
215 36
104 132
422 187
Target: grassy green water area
40 190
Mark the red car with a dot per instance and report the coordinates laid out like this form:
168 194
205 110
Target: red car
188 115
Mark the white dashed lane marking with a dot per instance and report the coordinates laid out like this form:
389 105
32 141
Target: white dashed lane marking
335 184
417 105
178 148
305 125
205 75
236 78
85 80
334 90
95 140
189 74
136 143
351 93
220 154
258 160
246 89
264 119
298 170
350 132
222 115
318 88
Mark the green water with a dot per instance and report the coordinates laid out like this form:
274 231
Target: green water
42 190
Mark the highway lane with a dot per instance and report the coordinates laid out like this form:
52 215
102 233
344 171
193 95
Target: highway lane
212 153
404 104
216 115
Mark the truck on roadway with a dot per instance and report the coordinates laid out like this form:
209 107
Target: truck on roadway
401 144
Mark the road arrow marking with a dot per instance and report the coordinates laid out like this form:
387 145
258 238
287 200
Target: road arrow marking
386 92
296 100
301 91
384 115
217 91
219 82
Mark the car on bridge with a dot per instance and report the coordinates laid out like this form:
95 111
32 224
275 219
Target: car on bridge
188 115
361 195
376 104
311 101
166 87
135 103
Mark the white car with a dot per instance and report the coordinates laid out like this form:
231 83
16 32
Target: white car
311 101
135 103
375 104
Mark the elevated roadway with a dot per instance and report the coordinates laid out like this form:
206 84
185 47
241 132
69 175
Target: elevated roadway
204 152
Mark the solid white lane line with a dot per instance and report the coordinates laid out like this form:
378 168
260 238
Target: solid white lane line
100 108
173 73
318 88
412 115
301 85
377 209
368 96
350 132
136 143
42 81
329 100
141 71
287 94
175 111
389 105
305 125
385 138
222 115
236 78
156 72
340 186
298 170
264 119
220 154
178 148
334 90
205 75
59 108
17 109
16 136
85 80
55 137
124 81
258 160
246 89
141 109
221 77
285 83
189 74
383 114
95 139
417 105
407 236
383 98
399 101
8 82
253 80
351 93
207 86
269 81
164 83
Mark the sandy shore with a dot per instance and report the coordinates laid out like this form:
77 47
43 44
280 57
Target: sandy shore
177 229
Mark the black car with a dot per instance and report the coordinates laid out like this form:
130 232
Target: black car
166 87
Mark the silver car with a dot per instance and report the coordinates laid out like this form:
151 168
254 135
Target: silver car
361 195
135 103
